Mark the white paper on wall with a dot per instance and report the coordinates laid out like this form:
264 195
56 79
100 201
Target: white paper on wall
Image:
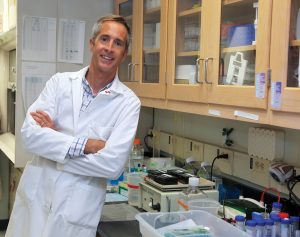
71 41
39 39
34 77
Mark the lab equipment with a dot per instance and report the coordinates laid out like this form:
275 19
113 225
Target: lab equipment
294 225
250 226
240 222
260 226
151 222
133 184
136 158
285 227
276 207
269 230
276 228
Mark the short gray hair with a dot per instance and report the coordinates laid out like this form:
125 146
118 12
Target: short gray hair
115 18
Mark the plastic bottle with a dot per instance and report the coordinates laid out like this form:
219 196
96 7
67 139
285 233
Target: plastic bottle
285 227
276 207
277 222
240 220
260 226
250 226
136 156
294 225
269 230
192 192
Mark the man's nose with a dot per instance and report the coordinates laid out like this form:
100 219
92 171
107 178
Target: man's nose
109 45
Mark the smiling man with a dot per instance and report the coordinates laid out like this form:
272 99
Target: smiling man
81 129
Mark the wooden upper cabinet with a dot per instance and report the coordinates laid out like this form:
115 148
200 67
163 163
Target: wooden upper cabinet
284 57
144 69
217 51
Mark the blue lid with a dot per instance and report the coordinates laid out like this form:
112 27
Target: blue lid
250 223
260 222
277 205
257 215
285 221
269 222
239 218
294 218
275 218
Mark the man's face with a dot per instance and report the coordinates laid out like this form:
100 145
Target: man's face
109 47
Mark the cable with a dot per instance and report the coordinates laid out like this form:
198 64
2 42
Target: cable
222 156
290 186
146 141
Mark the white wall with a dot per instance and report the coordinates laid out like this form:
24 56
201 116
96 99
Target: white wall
87 10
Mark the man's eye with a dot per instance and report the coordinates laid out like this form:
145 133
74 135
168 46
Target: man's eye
119 43
104 38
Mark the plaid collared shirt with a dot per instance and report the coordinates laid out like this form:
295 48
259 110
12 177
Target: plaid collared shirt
78 144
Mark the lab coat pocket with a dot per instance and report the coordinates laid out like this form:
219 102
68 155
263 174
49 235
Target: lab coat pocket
99 132
84 206
29 182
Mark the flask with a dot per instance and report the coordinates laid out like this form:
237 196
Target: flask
294 225
240 222
136 159
251 227
192 192
285 227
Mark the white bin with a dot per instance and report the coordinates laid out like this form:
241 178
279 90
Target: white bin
150 222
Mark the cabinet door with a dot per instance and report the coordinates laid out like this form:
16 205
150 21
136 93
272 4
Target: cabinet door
144 68
185 57
125 9
237 51
285 56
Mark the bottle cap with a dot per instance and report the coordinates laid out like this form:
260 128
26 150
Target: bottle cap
260 222
193 181
277 205
285 221
283 215
250 223
295 218
269 222
136 141
239 218
275 217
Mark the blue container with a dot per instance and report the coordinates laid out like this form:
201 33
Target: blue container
240 35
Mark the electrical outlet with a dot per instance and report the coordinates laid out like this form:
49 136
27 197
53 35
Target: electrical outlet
225 165
193 149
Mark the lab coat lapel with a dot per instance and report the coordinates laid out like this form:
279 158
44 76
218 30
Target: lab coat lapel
77 93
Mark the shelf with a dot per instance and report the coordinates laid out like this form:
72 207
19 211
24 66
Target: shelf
128 18
190 12
228 2
8 40
149 51
188 54
295 43
239 49
7 145
152 10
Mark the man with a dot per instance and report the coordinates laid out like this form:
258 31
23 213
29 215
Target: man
81 128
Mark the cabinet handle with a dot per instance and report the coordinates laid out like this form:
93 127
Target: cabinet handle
205 70
132 68
129 71
197 71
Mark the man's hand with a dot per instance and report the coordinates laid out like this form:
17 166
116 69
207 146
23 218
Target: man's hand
93 146
43 119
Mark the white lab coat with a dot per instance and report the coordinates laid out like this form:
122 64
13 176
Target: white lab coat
60 196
